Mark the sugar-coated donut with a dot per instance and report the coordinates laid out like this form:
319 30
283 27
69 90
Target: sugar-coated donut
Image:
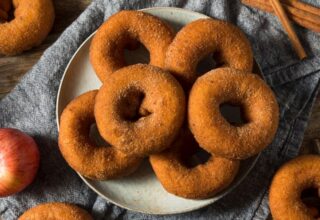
82 154
199 182
202 37
32 22
107 47
287 185
56 211
213 132
140 109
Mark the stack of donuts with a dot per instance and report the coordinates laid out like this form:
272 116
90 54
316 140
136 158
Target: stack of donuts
164 110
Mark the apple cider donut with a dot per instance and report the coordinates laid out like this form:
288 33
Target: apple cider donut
107 47
140 109
199 182
89 159
202 37
56 211
288 184
31 24
230 86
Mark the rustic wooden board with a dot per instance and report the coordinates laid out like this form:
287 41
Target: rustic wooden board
13 68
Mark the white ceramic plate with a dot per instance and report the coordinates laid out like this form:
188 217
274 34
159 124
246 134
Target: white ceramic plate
141 191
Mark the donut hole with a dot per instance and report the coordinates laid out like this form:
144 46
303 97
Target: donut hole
95 136
233 113
135 53
206 64
311 198
9 14
130 105
209 62
197 157
218 58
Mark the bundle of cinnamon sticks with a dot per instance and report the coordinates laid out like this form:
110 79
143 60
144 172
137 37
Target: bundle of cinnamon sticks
301 13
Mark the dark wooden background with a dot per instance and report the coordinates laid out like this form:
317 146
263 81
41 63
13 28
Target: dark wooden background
13 68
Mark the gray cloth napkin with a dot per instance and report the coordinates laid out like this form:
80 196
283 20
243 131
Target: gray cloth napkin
31 108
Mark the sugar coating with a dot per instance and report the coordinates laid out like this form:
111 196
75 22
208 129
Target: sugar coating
55 211
213 132
32 22
107 47
89 159
162 109
287 185
200 182
198 39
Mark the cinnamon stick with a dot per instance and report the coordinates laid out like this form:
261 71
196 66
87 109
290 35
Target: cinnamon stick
302 6
302 17
279 11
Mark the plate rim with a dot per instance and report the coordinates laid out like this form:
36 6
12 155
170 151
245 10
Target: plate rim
92 34
86 181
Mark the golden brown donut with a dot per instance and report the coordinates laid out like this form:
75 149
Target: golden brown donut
107 47
287 185
140 109
32 22
82 154
202 37
213 132
199 182
56 211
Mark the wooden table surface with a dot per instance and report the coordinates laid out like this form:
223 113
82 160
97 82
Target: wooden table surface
13 68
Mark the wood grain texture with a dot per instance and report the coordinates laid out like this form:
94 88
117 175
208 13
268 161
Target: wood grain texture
13 68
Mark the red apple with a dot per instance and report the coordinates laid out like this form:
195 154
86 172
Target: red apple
19 161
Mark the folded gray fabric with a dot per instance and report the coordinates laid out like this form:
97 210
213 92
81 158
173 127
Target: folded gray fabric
31 108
